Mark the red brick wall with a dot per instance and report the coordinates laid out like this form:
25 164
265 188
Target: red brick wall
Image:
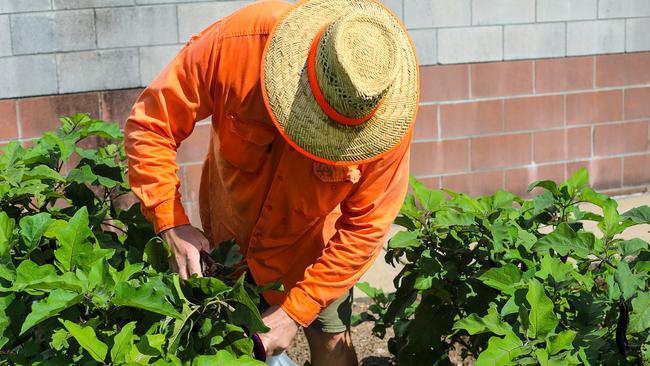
481 127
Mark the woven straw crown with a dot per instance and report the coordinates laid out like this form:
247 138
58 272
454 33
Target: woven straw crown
340 80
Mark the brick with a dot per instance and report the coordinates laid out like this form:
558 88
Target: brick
623 70
76 4
594 107
40 114
637 103
636 35
595 36
622 138
195 147
561 10
501 151
425 43
53 31
193 18
444 83
120 64
532 113
603 173
27 75
564 144
116 105
474 118
5 36
15 6
8 120
477 44
534 41
502 78
503 11
518 180
436 13
623 8
154 59
635 170
136 26
475 184
573 73
426 125
432 158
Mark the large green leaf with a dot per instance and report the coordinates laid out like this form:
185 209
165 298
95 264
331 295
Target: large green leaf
577 181
404 239
246 312
5 318
150 296
43 172
563 240
428 198
87 339
33 227
31 276
560 342
502 278
7 226
551 266
542 318
627 281
73 240
632 247
548 185
123 342
56 302
640 317
639 215
501 351
491 322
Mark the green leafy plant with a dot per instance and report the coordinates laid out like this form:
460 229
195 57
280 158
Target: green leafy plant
517 282
83 278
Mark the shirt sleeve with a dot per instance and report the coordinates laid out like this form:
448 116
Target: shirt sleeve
162 117
367 215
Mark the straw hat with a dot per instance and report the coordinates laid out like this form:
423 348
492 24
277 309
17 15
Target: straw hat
340 80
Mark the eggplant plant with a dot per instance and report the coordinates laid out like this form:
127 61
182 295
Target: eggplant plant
83 278
516 281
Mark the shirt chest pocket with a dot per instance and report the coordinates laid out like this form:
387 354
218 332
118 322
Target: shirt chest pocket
245 144
330 185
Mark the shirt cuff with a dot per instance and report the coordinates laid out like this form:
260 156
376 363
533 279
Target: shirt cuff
168 214
300 307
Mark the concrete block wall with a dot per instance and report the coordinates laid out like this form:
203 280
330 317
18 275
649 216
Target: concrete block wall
131 40
512 90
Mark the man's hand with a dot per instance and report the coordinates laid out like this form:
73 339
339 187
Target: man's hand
186 242
283 330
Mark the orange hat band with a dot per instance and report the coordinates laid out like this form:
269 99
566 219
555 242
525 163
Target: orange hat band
318 94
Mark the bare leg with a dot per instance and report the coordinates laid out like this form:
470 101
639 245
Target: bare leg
331 348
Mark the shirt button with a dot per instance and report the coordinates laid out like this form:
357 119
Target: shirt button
269 207
280 178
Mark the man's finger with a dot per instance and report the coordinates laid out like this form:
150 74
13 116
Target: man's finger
194 264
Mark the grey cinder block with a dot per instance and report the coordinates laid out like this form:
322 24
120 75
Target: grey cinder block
136 26
595 36
558 10
154 59
193 18
27 75
471 44
55 31
98 70
534 41
502 11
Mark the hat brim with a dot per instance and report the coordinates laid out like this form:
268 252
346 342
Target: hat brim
293 108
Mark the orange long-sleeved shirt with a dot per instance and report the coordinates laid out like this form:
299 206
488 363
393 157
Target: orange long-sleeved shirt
316 228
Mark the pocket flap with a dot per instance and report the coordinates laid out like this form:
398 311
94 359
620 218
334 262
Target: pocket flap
252 131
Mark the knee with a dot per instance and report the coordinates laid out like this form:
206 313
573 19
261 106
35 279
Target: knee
338 341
